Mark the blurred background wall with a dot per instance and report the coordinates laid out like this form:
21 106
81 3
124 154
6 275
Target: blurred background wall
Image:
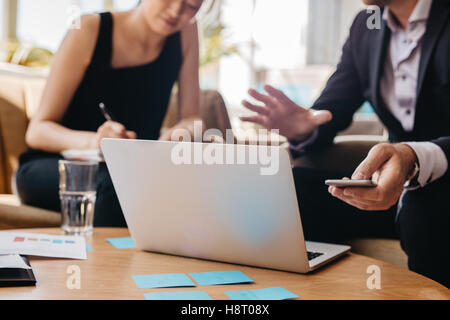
291 44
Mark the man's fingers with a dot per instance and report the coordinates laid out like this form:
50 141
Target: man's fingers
358 203
321 117
366 206
259 109
268 101
377 156
355 194
258 119
370 194
280 96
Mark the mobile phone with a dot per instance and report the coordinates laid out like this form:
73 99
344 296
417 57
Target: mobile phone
351 183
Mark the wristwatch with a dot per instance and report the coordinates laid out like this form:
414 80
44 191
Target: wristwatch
412 180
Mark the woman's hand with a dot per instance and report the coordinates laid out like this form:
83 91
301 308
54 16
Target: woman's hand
110 129
389 165
187 125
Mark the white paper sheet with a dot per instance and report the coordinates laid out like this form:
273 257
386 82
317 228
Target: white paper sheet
13 261
72 247
83 155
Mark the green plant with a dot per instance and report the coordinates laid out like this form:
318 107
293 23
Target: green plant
25 55
213 45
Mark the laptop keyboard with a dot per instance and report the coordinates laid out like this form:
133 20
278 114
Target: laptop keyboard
313 255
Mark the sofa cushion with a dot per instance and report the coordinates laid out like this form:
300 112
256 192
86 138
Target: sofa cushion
15 215
19 98
344 155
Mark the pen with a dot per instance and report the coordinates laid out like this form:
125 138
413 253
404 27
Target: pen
105 112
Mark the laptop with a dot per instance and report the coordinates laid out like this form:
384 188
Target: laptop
222 202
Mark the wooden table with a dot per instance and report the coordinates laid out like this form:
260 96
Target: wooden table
106 274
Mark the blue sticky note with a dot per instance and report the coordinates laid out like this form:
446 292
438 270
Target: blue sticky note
182 295
220 277
88 247
168 280
275 293
122 243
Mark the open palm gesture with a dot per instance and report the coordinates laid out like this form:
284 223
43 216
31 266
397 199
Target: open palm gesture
279 112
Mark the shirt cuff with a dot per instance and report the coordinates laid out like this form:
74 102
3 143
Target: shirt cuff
432 161
300 146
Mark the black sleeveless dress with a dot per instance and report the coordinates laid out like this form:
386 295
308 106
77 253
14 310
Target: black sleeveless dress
137 97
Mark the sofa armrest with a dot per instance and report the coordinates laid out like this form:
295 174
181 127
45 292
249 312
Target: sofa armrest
15 215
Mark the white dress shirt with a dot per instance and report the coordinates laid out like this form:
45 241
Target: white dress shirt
398 88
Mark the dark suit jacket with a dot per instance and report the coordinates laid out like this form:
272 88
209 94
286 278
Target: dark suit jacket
357 79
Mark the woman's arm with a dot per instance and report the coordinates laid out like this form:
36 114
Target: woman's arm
68 68
188 82
189 88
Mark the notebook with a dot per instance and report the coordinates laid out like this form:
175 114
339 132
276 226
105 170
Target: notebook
83 155
17 277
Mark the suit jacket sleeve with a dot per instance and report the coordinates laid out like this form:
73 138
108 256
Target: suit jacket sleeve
342 95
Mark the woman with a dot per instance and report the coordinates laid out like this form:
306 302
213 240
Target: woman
129 61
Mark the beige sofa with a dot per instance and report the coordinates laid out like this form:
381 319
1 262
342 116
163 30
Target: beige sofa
19 99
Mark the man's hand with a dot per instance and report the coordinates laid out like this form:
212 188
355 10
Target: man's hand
387 164
279 112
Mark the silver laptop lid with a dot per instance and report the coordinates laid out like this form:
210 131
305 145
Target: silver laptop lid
243 212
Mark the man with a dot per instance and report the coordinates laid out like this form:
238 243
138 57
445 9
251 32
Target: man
403 70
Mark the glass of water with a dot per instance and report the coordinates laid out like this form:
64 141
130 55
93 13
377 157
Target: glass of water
77 191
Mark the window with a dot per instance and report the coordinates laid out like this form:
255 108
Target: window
293 45
270 36
123 5
44 23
